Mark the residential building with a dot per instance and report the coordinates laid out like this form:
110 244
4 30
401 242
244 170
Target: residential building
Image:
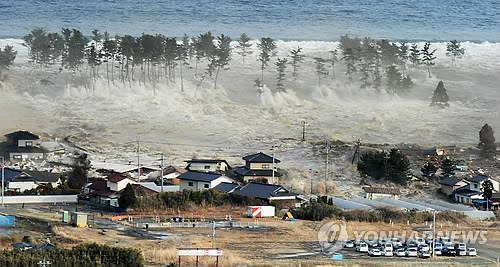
271 193
208 165
471 193
22 180
495 201
227 188
259 168
447 150
450 184
373 192
22 145
117 182
108 168
476 182
198 181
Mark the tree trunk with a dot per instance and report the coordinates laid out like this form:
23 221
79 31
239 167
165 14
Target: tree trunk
182 79
216 77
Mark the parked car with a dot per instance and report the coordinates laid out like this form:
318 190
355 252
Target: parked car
472 252
461 252
349 244
419 241
400 252
411 252
375 252
396 242
437 252
424 247
424 254
438 245
388 246
446 242
362 247
460 246
449 252
388 252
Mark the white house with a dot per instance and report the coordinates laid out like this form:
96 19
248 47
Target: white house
117 182
381 192
468 193
28 180
450 184
259 168
198 181
23 145
208 165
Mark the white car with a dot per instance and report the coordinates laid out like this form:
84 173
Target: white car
461 252
424 247
400 252
412 252
438 246
388 246
396 242
349 244
424 254
472 252
362 247
437 252
460 246
374 252
388 253
419 241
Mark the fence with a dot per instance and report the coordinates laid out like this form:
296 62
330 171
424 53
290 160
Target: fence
40 199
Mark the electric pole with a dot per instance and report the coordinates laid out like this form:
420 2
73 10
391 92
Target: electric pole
138 160
304 131
326 171
3 178
272 165
433 232
161 172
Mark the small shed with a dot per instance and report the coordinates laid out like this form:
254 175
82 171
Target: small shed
65 216
79 219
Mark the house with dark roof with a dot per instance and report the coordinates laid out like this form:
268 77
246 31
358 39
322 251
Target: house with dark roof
373 192
117 181
259 167
471 193
476 182
22 180
495 201
207 165
194 180
22 145
450 183
271 193
227 188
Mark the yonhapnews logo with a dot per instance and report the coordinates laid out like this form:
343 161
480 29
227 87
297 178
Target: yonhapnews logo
331 236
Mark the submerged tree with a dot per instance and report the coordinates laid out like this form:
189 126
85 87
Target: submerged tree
321 71
297 57
333 60
403 54
440 97
487 139
350 61
221 56
7 57
429 169
79 175
394 166
428 57
414 54
448 167
454 50
244 46
267 48
280 69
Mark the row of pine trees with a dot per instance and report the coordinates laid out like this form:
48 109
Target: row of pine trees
158 59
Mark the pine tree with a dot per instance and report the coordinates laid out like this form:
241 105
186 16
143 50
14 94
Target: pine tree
182 57
393 78
454 51
333 60
221 55
321 71
7 57
297 58
429 169
428 57
79 176
244 46
487 139
127 197
414 55
487 190
403 55
280 69
267 48
448 167
350 61
440 97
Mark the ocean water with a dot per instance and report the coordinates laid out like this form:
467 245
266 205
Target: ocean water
434 20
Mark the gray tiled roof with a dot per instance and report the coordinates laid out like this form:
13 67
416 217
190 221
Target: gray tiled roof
259 190
478 178
450 181
199 176
260 158
226 187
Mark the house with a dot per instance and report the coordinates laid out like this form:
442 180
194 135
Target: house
495 201
476 182
208 165
226 188
108 168
22 145
22 180
158 188
373 193
259 168
117 182
271 193
450 184
193 180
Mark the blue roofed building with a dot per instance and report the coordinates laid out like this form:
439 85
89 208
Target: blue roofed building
194 180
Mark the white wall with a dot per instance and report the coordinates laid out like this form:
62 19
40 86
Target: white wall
120 185
24 143
198 186
22 186
25 156
41 199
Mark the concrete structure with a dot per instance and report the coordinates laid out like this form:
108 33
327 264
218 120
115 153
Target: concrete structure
198 181
208 165
381 192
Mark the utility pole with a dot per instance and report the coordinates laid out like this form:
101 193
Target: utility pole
213 234
386 157
161 172
138 160
326 171
272 165
311 172
304 130
433 232
3 180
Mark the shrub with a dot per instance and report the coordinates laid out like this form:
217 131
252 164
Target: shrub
317 212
